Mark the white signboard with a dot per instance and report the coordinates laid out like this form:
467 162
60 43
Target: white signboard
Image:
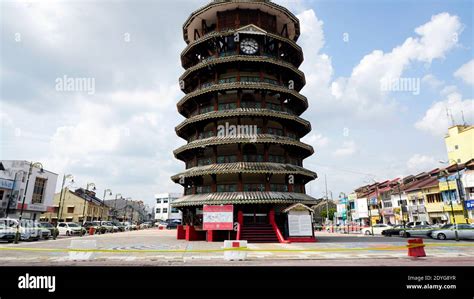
218 217
361 207
299 224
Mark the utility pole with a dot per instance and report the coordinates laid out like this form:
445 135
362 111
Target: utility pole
452 210
401 205
61 195
327 199
37 164
84 219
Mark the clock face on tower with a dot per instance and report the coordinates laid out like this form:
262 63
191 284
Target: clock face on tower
249 46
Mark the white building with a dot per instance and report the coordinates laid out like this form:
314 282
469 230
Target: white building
14 175
163 209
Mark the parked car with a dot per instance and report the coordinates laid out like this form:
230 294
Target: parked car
172 223
70 229
52 229
145 225
416 223
465 231
393 231
44 232
109 226
7 231
27 228
119 225
127 225
98 229
417 231
378 228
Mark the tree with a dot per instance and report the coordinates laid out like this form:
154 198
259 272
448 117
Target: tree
331 213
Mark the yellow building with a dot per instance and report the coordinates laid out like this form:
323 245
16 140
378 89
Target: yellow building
75 204
434 204
460 143
449 192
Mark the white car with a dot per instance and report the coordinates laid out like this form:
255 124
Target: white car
127 225
69 229
447 232
7 232
108 226
43 232
378 228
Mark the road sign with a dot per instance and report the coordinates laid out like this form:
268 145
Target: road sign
470 204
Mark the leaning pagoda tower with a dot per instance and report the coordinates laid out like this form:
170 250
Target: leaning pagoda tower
242 124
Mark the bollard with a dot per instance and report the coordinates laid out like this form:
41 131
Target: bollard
235 255
416 248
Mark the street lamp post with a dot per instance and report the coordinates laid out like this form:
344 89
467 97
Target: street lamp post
401 204
103 202
369 214
446 174
65 177
85 201
40 166
458 185
115 205
13 189
125 208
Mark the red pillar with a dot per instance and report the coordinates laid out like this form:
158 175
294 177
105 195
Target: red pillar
240 217
210 236
181 233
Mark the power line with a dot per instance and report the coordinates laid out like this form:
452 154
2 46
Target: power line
345 170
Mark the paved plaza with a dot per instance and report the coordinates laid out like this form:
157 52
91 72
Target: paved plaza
160 247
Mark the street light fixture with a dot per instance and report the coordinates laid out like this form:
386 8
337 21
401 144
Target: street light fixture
125 207
30 170
461 198
65 177
85 201
115 205
103 202
13 189
401 202
445 173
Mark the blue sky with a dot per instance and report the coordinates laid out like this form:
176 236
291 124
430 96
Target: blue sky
122 137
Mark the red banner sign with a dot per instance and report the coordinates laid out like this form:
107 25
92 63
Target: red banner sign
218 217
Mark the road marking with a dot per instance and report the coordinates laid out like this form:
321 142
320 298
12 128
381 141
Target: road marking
253 250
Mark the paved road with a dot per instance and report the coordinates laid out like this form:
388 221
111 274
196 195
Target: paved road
160 247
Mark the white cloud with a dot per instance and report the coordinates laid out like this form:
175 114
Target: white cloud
348 148
418 163
311 27
317 140
432 81
436 120
360 94
466 72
